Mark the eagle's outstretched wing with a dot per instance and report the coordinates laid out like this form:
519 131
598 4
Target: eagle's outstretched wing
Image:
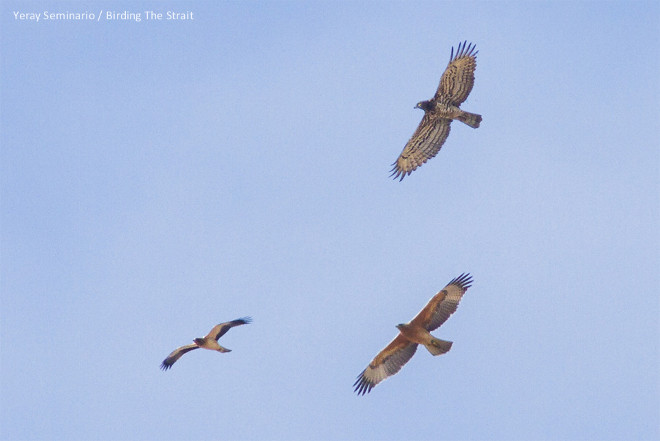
221 329
443 304
457 81
424 145
175 355
387 363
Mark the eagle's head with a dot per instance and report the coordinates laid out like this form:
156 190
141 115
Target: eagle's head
424 105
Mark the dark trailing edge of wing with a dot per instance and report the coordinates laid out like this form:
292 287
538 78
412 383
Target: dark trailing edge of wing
227 326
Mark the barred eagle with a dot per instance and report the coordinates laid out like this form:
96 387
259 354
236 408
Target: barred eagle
455 86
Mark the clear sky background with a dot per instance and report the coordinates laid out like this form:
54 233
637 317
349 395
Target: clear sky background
160 177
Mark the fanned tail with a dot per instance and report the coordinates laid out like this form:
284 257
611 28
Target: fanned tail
438 347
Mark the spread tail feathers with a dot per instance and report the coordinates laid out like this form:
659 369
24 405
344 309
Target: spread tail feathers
437 346
471 119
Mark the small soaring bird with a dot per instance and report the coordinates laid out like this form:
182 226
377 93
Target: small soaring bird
208 342
455 86
390 360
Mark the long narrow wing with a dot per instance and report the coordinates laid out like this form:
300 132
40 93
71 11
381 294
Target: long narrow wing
387 363
457 81
175 355
422 146
443 304
221 329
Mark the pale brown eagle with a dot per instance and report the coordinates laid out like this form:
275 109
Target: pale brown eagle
390 360
208 342
455 86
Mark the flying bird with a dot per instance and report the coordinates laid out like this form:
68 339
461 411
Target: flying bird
455 86
208 342
390 360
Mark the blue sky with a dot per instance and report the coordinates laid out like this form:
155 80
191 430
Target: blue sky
158 178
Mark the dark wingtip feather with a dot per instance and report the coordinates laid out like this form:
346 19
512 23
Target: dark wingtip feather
362 385
397 173
464 281
463 50
164 366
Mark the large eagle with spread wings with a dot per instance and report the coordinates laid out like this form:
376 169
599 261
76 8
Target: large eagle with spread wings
208 342
390 360
455 86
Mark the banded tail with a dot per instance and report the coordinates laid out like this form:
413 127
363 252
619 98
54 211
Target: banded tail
471 119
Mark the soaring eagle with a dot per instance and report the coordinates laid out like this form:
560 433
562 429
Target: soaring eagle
208 342
390 360
455 86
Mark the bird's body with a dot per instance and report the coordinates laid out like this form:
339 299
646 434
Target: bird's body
455 86
417 332
448 111
210 341
419 335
